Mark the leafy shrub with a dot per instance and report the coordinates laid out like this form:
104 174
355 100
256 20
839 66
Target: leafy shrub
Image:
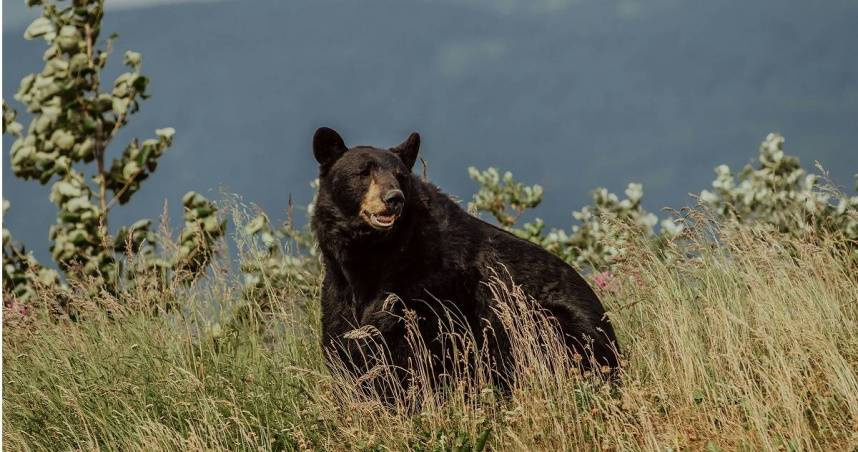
586 245
22 273
276 258
778 193
74 121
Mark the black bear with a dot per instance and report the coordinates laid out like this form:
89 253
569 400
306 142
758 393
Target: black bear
383 230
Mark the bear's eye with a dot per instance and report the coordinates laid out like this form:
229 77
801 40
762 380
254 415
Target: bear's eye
366 170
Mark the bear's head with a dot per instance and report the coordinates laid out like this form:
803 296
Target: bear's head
365 184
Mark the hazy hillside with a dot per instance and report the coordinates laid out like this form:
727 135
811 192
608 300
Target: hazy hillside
570 95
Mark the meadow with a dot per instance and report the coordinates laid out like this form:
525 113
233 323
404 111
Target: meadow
737 319
734 337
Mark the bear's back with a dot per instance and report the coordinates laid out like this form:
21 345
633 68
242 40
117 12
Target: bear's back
481 251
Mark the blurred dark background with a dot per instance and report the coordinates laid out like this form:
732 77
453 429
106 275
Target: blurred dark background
570 94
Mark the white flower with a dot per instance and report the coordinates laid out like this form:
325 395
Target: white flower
649 220
634 192
671 228
708 197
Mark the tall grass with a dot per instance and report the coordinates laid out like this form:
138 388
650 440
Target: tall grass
740 338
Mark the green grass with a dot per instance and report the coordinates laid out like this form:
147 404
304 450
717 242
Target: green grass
750 344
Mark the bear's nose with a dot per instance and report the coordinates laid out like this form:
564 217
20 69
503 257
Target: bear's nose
394 198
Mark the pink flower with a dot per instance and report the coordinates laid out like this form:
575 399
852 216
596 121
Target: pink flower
606 281
17 308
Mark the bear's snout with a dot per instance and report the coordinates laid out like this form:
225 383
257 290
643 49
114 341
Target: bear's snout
382 204
394 199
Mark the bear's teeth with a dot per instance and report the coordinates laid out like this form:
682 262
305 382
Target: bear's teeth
383 220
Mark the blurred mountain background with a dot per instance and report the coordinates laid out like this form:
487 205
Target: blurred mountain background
569 94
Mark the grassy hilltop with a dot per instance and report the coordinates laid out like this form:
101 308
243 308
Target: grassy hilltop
738 320
743 339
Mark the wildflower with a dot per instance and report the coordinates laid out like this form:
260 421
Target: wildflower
606 281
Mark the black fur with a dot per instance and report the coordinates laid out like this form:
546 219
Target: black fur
434 251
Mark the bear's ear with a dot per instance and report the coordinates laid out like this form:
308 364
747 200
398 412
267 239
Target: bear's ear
328 146
407 151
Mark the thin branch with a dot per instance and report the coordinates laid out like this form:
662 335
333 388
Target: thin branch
99 144
118 194
88 31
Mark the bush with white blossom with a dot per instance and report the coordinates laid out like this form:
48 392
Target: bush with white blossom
593 242
778 192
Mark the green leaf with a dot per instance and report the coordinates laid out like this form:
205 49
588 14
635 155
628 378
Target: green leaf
210 224
192 198
79 203
69 217
51 52
22 153
121 90
482 439
124 78
25 86
59 65
40 27
69 31
255 225
78 62
84 150
79 237
132 59
142 157
130 170
51 112
119 105
140 83
66 189
68 38
104 102
698 396
15 128
63 139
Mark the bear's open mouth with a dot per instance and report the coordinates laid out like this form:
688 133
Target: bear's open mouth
380 220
